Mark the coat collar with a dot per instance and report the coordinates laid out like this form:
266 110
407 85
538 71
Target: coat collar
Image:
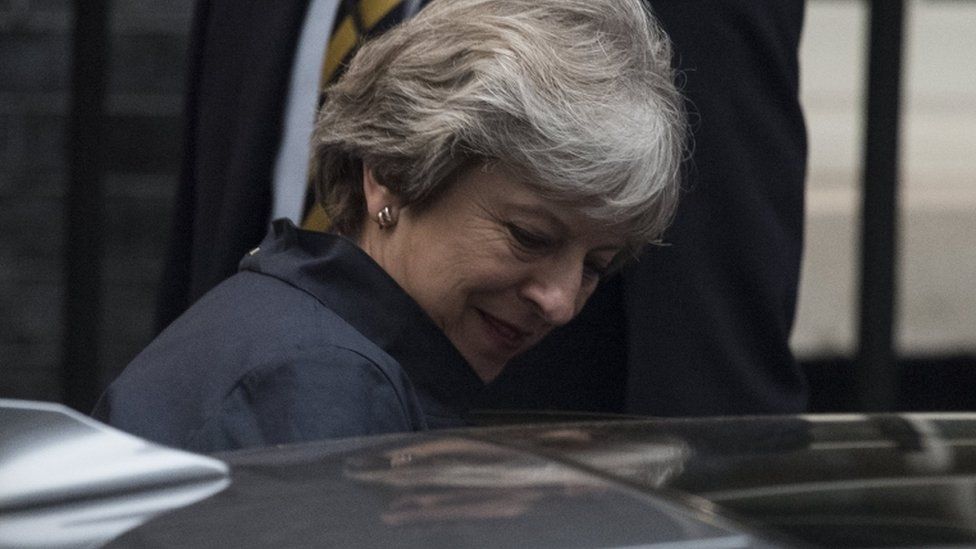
341 276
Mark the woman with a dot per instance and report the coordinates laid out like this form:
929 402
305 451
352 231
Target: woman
484 164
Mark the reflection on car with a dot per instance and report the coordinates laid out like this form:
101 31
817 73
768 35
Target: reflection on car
903 480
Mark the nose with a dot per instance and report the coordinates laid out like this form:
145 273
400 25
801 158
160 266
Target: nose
556 293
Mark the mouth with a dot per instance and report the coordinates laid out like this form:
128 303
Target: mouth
504 334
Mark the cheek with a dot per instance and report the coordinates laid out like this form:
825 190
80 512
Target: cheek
444 279
493 272
483 261
450 275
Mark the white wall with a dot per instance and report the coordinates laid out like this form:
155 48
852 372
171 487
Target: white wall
936 303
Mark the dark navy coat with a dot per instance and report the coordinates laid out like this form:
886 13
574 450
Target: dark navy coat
310 340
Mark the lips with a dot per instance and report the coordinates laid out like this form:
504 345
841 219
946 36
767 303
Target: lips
506 335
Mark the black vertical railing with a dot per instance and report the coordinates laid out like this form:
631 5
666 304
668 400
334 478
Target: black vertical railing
876 360
83 205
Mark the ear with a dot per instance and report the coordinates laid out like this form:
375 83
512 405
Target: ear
377 195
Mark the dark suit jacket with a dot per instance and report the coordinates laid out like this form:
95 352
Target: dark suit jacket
311 340
700 327
703 324
239 67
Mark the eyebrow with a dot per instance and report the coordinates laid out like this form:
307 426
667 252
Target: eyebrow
542 211
608 248
561 225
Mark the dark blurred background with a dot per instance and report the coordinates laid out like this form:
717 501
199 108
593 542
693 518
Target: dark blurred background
146 48
89 160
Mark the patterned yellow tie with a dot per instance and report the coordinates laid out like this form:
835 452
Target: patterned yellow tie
356 21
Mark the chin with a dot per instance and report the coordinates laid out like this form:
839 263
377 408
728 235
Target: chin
487 370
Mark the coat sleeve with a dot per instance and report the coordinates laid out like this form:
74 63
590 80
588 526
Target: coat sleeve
304 400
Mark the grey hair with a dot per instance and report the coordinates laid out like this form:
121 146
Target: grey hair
575 98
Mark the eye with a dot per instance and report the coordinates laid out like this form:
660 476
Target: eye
593 270
528 240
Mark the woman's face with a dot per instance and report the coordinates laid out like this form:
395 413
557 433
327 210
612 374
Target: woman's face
492 263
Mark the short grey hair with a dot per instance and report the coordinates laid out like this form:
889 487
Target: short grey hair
576 98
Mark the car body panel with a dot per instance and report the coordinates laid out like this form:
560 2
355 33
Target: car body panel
432 490
899 480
